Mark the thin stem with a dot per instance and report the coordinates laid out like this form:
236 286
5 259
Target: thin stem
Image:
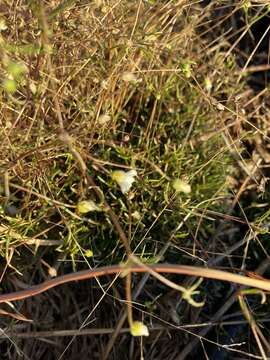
129 299
115 269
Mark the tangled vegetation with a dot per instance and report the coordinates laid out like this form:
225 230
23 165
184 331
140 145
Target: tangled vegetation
164 106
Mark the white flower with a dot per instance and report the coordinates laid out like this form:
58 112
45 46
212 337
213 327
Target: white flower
124 179
52 271
220 107
86 206
181 186
136 215
89 253
3 25
104 119
129 77
208 84
33 88
139 329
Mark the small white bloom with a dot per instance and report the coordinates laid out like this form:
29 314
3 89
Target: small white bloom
220 107
52 271
186 69
104 119
129 77
181 186
33 87
3 25
124 179
139 329
86 206
208 84
89 253
104 84
105 9
136 215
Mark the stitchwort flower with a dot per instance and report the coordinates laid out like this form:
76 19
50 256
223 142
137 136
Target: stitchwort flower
86 206
124 179
139 329
181 186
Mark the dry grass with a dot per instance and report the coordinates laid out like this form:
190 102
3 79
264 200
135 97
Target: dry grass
174 89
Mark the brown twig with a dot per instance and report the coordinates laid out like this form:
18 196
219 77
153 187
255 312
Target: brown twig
159 268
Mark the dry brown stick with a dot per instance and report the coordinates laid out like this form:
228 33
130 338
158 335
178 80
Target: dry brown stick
65 333
100 331
158 268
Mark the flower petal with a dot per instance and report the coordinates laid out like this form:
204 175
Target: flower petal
139 329
181 186
124 179
86 206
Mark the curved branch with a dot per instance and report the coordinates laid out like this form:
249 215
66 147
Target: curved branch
117 269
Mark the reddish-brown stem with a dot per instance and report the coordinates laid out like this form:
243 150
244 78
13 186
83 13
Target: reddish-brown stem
160 268
129 299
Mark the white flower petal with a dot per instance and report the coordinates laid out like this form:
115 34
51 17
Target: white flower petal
139 329
132 173
86 206
124 179
3 25
104 119
129 77
181 186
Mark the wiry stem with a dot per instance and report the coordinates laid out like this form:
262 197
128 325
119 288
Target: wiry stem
159 268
